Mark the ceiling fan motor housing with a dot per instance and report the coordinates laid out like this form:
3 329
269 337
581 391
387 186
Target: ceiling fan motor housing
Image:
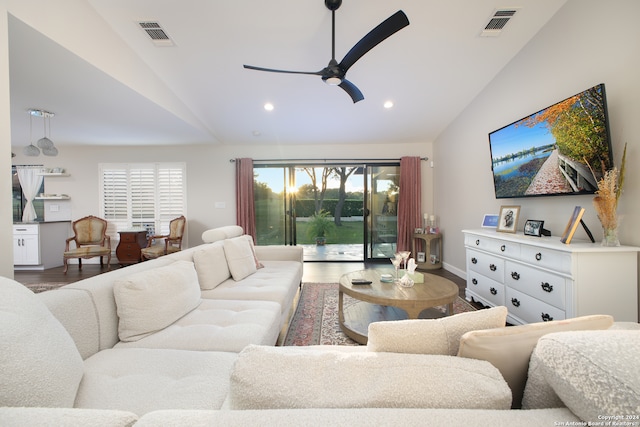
332 4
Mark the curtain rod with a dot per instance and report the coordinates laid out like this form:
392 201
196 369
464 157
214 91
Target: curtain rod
326 160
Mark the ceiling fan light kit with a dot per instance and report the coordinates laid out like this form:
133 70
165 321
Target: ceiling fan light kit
334 73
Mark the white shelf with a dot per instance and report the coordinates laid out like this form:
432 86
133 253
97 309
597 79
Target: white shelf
54 174
59 197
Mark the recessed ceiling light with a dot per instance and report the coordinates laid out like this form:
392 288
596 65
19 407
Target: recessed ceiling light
388 104
256 133
268 106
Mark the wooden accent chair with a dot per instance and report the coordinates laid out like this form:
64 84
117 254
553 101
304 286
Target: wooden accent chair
91 240
171 243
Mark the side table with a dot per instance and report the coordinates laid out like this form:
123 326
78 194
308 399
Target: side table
131 241
433 248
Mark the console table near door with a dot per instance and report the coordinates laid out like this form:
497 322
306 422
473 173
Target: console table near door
131 241
432 248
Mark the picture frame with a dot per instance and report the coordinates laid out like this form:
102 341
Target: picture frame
421 257
533 227
508 219
572 225
490 221
418 231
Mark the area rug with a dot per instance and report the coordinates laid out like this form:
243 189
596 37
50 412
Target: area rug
316 318
41 287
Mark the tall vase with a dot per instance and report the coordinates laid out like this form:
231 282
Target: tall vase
610 236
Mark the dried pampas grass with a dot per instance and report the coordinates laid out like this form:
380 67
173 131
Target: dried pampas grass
608 193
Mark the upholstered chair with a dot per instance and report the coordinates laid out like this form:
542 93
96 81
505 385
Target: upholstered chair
91 240
160 245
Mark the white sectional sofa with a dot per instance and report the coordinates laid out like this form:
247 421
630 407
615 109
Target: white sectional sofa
188 339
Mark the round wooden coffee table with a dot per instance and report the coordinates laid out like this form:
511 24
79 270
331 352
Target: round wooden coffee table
380 301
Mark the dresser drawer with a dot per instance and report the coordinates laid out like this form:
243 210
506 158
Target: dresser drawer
487 265
500 247
529 309
546 258
539 284
26 229
485 287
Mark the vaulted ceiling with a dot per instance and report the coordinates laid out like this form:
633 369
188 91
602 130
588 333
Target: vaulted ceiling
108 83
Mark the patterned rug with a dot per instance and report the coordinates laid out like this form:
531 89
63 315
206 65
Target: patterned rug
41 287
316 318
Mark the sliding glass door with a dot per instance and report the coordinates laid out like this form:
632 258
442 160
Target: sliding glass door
338 212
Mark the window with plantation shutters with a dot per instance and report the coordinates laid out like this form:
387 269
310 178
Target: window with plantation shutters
147 195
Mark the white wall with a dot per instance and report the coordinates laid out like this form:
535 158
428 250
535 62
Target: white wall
210 174
587 42
6 230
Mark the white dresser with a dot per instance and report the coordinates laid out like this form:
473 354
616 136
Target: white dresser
541 279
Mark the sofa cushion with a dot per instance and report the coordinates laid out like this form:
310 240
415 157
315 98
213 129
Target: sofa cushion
211 265
285 377
153 299
595 373
141 380
65 417
432 336
240 257
81 322
509 349
39 362
218 325
221 233
360 417
279 282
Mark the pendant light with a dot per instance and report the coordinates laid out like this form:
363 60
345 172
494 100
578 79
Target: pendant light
31 150
45 144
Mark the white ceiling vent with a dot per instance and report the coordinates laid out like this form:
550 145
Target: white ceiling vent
497 22
156 33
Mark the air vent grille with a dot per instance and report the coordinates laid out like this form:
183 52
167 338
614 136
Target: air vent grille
497 22
156 33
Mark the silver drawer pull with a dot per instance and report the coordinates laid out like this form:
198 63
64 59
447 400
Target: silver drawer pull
538 256
546 287
503 248
474 260
515 302
493 291
474 281
493 267
515 275
546 317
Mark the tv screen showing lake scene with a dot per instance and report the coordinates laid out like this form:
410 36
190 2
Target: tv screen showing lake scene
563 149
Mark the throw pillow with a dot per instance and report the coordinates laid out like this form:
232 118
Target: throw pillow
240 258
595 373
431 336
151 300
509 349
259 265
39 362
211 265
266 377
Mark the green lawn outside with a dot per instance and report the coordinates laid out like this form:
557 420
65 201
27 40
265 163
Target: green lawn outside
270 227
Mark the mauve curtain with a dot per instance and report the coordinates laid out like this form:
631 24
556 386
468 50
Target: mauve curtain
409 203
245 211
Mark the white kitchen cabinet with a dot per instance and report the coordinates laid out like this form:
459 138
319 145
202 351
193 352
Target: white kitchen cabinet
541 279
38 246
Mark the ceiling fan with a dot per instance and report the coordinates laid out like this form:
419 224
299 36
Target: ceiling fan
334 73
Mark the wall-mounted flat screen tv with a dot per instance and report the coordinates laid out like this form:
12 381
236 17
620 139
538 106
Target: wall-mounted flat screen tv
560 150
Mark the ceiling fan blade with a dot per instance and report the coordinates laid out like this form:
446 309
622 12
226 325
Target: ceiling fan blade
390 26
271 70
352 90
